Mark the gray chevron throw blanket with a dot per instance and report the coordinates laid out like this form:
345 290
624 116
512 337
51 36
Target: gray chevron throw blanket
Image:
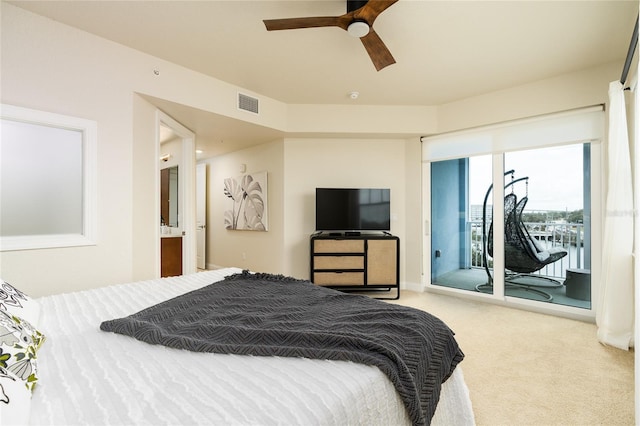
272 315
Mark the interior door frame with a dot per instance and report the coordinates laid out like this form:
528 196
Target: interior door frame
201 207
187 191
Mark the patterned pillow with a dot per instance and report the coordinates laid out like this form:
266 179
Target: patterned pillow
15 302
15 400
19 343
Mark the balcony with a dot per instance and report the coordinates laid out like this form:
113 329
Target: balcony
570 236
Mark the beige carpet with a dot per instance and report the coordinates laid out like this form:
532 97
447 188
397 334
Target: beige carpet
525 368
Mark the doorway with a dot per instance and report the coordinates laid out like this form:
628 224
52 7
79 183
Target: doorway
182 225
201 215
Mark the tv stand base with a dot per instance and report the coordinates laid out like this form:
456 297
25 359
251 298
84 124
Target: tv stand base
360 262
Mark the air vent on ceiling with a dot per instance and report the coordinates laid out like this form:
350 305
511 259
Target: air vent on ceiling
247 103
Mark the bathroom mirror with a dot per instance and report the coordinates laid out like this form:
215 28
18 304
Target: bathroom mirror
169 196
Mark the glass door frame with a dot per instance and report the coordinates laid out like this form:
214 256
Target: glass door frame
587 125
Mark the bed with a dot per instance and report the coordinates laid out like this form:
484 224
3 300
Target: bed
87 376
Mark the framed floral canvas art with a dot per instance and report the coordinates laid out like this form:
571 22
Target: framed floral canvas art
248 198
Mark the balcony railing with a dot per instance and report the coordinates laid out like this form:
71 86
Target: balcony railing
569 236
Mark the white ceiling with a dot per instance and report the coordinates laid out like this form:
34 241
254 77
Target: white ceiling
445 50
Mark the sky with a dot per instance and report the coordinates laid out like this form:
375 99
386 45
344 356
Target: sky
555 177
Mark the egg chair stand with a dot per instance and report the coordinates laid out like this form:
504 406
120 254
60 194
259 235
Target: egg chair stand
524 255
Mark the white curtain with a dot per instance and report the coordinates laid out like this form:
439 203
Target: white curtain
614 309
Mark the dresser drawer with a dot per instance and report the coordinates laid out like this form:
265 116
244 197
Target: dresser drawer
338 278
338 262
338 246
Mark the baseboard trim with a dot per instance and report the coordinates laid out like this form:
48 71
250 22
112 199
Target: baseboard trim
411 286
213 266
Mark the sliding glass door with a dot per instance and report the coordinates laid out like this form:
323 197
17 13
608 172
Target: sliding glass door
513 212
548 229
545 230
460 215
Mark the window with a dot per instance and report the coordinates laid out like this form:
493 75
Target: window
47 180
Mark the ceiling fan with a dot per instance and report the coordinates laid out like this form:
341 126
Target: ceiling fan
358 21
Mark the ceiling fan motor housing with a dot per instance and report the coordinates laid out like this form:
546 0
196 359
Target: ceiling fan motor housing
355 4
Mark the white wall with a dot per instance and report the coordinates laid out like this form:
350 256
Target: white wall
381 121
144 241
295 168
53 67
311 163
414 231
40 70
560 93
50 66
255 250
173 148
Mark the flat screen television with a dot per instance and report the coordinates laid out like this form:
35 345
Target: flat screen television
353 209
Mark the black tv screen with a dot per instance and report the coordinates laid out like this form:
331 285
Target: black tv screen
353 209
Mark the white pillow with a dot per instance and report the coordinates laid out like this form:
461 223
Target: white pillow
15 400
19 343
15 302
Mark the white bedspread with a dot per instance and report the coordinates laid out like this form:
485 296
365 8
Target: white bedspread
89 377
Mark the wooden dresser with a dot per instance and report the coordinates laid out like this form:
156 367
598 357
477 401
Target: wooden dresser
364 262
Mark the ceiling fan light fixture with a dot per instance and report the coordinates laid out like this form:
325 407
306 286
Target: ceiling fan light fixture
358 29
358 22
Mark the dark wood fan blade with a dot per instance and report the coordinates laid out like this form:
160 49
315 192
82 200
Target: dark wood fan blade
370 11
312 22
378 52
